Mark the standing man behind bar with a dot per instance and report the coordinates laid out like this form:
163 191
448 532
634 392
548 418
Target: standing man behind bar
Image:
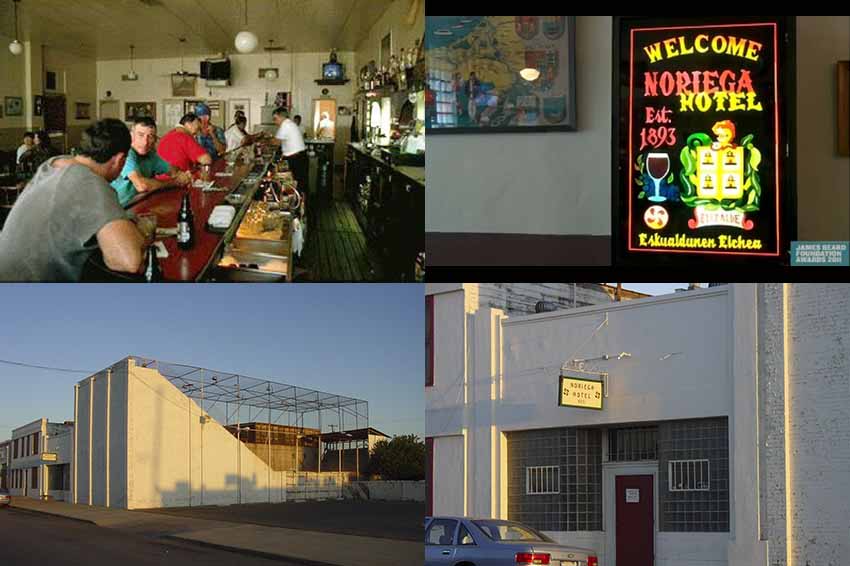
144 165
291 143
69 210
211 137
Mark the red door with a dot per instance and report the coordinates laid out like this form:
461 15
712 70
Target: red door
635 530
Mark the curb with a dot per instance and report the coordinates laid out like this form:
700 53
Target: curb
251 552
40 512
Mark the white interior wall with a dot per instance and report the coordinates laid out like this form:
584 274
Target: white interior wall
298 73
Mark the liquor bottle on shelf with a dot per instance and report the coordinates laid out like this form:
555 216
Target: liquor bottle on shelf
402 70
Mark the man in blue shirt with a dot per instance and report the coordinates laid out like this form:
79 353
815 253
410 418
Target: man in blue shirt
144 165
211 137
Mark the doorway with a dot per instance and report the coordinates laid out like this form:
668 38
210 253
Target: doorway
635 524
324 119
55 119
615 481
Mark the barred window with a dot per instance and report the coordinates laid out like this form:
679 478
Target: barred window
689 475
632 444
542 480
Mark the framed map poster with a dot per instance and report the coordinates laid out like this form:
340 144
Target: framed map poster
703 140
491 74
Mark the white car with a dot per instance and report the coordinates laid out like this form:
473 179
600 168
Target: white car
5 498
456 541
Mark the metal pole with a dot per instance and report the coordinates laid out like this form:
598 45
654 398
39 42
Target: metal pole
238 444
320 444
203 423
76 427
108 402
339 448
91 412
189 440
269 439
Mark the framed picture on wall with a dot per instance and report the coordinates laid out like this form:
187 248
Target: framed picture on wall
183 85
490 74
703 140
133 110
83 111
14 106
38 105
238 105
172 113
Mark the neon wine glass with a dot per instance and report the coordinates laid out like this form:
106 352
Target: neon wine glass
658 167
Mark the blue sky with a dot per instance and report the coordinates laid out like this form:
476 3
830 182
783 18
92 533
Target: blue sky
364 341
654 289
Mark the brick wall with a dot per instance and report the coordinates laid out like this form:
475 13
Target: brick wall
819 423
817 321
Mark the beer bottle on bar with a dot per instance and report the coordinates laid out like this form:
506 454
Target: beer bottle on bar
185 225
153 273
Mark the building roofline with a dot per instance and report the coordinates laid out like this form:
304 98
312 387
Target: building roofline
30 423
611 307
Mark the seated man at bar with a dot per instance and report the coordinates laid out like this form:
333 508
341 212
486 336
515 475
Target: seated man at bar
69 210
29 140
179 148
210 136
144 165
291 143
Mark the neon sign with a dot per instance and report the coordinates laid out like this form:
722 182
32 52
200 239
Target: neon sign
703 162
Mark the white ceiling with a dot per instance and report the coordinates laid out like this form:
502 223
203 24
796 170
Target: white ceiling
104 29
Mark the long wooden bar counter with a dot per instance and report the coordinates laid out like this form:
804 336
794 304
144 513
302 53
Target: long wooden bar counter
193 264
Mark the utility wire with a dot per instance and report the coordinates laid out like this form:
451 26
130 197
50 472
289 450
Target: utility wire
21 364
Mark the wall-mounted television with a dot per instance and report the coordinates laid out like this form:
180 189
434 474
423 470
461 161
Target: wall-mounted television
215 69
332 71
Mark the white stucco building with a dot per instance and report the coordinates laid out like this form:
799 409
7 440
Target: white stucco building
151 434
40 460
723 438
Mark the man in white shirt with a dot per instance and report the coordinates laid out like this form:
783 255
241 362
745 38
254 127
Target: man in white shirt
291 143
29 141
326 127
236 135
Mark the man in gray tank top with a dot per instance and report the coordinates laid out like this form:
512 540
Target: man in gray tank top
69 210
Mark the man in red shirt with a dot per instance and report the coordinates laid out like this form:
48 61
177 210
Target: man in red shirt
179 148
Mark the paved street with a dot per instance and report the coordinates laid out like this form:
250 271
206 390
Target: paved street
383 519
34 539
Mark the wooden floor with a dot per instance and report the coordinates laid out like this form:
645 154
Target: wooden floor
336 248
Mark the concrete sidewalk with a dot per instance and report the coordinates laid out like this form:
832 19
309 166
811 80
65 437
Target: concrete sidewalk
308 547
